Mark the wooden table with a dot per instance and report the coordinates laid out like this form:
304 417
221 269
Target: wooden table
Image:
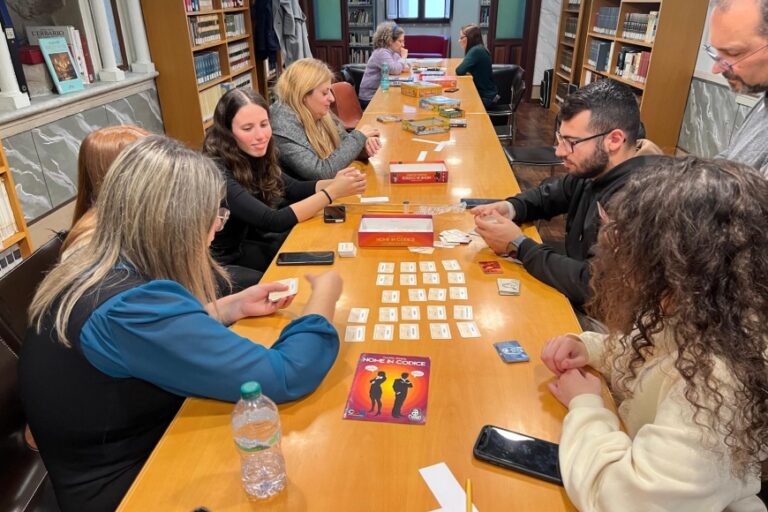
335 464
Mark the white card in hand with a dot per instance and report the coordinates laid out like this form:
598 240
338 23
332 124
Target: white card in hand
417 295
410 313
440 331
408 266
355 334
462 312
427 266
436 313
390 297
458 293
409 331
437 294
456 278
430 278
468 329
451 265
293 288
386 267
358 315
407 279
385 279
383 332
387 314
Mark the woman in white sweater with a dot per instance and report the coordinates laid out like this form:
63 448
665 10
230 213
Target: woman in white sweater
680 280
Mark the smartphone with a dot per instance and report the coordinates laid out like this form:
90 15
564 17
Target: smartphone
334 213
452 89
512 450
305 258
476 201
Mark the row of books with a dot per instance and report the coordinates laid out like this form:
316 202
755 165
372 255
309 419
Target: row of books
204 29
9 258
566 60
76 43
606 20
574 5
8 225
229 4
633 64
563 90
590 77
361 37
600 54
571 27
359 56
207 66
198 5
361 16
239 55
234 24
641 26
485 14
210 97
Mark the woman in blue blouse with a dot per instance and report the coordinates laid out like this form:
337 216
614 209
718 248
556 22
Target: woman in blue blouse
477 62
123 331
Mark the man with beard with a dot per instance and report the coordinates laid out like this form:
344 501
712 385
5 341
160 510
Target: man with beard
597 141
739 36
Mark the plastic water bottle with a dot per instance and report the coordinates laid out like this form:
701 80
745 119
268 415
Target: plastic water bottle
256 429
385 77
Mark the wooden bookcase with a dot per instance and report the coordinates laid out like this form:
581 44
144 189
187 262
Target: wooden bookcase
21 236
170 42
569 48
484 19
664 93
361 24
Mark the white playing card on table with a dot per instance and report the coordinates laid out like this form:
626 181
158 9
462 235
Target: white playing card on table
458 293
417 295
468 329
387 314
408 280
427 266
436 312
430 278
409 331
355 334
408 266
293 288
358 315
440 331
410 313
386 267
462 312
437 294
451 265
390 297
456 278
383 332
385 279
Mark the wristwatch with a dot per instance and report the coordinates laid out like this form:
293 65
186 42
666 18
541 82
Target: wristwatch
514 245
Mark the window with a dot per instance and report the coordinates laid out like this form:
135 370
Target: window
416 11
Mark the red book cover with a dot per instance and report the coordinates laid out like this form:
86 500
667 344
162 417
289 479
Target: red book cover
389 389
87 56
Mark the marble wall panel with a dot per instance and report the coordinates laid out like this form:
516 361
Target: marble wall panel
709 119
31 189
547 41
141 109
741 114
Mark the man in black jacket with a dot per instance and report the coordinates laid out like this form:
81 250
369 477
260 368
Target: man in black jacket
597 141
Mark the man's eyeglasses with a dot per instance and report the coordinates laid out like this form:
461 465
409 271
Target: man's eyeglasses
221 218
570 144
725 65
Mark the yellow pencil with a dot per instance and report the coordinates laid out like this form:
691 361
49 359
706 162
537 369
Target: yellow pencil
469 495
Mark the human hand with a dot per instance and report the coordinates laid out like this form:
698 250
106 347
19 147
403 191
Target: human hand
254 300
347 182
404 53
574 383
497 231
485 209
328 285
369 131
372 145
564 353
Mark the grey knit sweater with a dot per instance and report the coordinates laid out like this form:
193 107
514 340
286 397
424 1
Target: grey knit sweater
297 156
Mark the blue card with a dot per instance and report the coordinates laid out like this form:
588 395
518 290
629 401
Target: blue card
511 352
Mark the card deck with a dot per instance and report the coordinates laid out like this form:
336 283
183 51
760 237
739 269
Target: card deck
491 267
511 352
508 286
293 288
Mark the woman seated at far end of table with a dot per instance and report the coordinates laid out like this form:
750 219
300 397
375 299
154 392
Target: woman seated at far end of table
312 142
686 356
120 335
264 202
478 63
389 44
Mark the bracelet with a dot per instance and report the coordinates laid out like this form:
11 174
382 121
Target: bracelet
330 199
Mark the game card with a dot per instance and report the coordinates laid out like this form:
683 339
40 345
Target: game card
511 352
436 312
408 280
427 266
383 332
385 279
417 295
410 313
491 267
456 278
358 315
468 329
440 331
437 294
386 267
462 312
387 314
409 331
430 278
451 265
458 293
355 334
407 266
390 297
508 286
293 288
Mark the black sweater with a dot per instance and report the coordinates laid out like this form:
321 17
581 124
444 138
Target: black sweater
577 198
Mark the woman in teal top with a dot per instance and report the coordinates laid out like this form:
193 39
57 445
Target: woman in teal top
477 62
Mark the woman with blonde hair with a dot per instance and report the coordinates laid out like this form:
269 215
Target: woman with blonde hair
389 44
119 334
312 143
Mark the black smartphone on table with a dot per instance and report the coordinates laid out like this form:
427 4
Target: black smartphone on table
305 258
334 214
471 202
519 452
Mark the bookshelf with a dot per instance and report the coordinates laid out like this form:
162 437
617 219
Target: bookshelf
658 67
201 48
568 49
484 19
12 235
361 24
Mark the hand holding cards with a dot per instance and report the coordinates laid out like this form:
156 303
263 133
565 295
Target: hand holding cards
293 288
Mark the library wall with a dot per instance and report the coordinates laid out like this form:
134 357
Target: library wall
549 20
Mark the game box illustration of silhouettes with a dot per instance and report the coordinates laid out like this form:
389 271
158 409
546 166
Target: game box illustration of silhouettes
390 389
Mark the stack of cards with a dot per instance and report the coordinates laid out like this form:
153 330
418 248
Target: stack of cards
508 286
347 250
293 289
511 352
454 237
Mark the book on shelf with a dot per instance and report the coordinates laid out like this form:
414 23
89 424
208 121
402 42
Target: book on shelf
10 258
207 66
14 46
234 24
204 29
571 26
360 16
199 5
361 38
231 4
600 54
73 40
359 55
239 55
61 64
8 226
566 60
606 20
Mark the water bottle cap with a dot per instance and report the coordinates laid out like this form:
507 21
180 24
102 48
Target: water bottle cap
250 389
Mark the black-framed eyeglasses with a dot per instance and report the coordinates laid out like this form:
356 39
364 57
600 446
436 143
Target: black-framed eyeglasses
221 218
724 64
569 144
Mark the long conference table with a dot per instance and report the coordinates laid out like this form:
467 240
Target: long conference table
335 464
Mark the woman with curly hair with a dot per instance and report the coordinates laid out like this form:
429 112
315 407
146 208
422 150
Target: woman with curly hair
389 49
264 202
680 280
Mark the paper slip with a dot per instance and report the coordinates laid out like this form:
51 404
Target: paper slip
347 250
408 280
508 286
383 332
462 312
368 200
430 278
440 146
408 266
437 294
417 295
409 331
468 329
445 245
451 265
427 266
456 236
355 334
293 288
422 156
422 250
425 140
445 488
456 278
358 315
410 313
385 279
387 314
440 331
458 293
436 313
390 297
386 267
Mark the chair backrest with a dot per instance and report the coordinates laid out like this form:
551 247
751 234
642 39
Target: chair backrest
509 81
18 287
355 73
346 106
423 46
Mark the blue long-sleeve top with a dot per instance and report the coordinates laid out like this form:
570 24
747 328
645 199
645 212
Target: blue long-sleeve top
161 333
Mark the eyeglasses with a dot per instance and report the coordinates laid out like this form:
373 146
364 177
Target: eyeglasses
462 36
570 144
221 218
725 65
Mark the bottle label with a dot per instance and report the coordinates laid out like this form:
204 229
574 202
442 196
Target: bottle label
256 446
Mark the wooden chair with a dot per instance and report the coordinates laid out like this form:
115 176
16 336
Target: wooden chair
346 106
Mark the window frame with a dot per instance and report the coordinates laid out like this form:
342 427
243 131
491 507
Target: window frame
420 19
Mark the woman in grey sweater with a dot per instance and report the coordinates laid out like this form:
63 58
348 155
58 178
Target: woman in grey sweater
312 143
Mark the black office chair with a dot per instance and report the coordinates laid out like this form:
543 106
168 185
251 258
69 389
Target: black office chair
353 73
511 86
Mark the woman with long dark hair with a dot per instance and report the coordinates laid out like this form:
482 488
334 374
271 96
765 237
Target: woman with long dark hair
478 63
